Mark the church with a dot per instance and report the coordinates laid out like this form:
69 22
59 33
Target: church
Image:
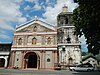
34 46
39 45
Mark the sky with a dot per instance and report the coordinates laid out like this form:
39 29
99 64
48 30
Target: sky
16 12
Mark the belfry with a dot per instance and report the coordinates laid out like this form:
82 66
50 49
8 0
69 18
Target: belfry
68 43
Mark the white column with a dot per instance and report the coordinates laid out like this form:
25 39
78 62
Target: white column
6 61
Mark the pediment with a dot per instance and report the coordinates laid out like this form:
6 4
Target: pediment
36 26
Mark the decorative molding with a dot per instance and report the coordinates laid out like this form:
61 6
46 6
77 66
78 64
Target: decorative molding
66 27
35 33
67 44
14 49
35 21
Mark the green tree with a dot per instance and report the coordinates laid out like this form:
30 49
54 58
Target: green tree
84 53
86 19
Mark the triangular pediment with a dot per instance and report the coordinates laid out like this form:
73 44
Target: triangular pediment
35 26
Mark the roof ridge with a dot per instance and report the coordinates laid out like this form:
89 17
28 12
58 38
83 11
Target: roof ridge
85 57
21 25
47 23
25 23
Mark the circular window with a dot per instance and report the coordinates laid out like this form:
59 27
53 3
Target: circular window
48 60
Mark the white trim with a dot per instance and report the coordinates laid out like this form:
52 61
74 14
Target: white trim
35 21
66 44
33 33
5 43
5 58
69 12
4 53
66 27
13 49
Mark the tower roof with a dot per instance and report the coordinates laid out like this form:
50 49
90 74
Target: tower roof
64 11
65 8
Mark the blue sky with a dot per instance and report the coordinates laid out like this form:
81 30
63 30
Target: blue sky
16 12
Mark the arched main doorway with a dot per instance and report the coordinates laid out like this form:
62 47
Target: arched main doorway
2 62
31 60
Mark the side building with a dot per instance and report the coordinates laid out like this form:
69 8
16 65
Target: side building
4 54
68 43
34 46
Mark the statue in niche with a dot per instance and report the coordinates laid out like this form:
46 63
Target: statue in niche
35 29
20 41
34 41
48 40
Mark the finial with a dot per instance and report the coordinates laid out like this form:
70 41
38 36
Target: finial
16 26
36 18
65 8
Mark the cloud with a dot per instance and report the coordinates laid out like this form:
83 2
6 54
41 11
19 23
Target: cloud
28 16
5 25
51 12
4 36
10 13
83 43
36 7
22 19
3 32
27 8
47 1
30 0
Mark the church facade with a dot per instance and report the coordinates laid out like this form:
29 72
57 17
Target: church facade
34 46
39 45
68 42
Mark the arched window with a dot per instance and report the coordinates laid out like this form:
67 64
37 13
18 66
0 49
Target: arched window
35 28
20 41
34 40
48 40
70 61
63 49
68 39
61 20
66 20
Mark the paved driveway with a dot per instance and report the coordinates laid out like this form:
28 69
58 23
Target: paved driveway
43 72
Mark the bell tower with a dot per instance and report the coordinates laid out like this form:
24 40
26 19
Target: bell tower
68 43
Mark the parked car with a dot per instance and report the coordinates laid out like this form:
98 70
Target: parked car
72 68
82 67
